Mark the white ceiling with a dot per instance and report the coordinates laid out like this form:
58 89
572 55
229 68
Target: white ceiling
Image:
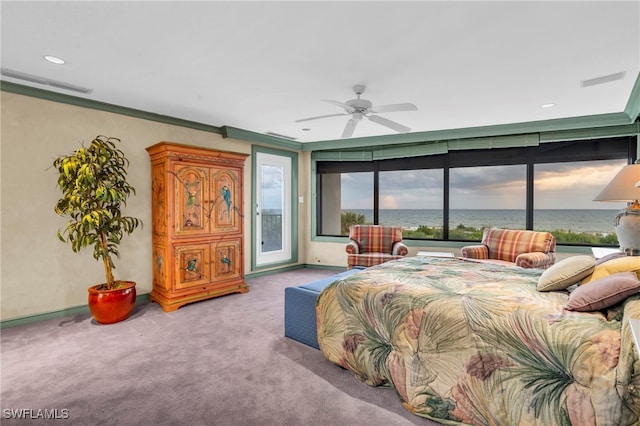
259 66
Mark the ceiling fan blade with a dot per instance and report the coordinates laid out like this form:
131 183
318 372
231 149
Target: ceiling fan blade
320 116
393 108
388 123
346 107
349 128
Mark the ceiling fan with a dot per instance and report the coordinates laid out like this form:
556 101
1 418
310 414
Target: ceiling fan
359 108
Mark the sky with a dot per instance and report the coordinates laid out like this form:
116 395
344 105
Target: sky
557 186
272 191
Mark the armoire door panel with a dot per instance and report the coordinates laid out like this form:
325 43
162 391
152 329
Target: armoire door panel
225 191
226 260
192 203
192 266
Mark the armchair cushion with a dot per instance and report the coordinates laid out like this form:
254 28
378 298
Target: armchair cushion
527 249
371 245
535 260
477 251
375 238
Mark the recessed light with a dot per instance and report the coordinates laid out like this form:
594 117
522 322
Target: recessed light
550 105
306 129
54 60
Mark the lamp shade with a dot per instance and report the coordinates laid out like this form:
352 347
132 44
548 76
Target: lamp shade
625 186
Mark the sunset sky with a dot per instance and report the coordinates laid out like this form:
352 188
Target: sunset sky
558 186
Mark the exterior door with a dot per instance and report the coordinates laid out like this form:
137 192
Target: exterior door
272 209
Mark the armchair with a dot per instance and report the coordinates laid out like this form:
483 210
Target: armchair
371 245
527 249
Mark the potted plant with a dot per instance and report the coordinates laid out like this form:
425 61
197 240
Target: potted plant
94 191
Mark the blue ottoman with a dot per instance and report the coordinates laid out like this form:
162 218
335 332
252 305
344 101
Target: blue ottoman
300 309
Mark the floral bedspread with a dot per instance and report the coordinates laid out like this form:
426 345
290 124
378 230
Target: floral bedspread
464 342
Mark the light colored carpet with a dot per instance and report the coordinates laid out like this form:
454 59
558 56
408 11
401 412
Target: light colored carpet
224 361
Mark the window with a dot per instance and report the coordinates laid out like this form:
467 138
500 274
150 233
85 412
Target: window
486 196
413 198
454 196
347 200
564 203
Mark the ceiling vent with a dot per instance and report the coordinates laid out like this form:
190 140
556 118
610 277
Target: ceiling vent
602 80
278 135
45 81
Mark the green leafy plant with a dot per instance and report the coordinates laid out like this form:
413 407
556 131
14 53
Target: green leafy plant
94 191
350 218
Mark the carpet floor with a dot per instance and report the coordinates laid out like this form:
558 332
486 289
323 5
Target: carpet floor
224 361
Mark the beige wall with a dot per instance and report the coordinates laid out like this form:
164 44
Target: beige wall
40 274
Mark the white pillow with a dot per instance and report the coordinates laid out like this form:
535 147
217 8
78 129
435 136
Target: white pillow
566 273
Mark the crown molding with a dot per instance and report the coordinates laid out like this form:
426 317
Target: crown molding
633 106
629 116
6 86
274 141
560 124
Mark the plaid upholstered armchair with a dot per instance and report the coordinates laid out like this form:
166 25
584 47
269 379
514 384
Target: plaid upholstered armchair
371 245
528 249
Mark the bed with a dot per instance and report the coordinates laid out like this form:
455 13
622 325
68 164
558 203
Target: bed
468 342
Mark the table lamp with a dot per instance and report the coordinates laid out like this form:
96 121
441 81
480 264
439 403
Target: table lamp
625 186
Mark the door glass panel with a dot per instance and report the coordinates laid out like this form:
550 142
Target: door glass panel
272 178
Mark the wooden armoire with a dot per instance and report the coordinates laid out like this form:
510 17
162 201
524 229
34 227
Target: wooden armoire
197 224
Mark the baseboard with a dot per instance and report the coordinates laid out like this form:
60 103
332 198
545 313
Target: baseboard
83 309
292 268
141 298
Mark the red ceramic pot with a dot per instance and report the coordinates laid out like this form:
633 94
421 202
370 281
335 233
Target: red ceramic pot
110 306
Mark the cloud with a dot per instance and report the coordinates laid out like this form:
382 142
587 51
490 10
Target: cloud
271 187
488 178
558 177
557 186
388 202
271 177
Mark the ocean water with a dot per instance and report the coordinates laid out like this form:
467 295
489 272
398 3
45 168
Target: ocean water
595 221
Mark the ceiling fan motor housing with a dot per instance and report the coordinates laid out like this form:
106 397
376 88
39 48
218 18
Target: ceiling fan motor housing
359 105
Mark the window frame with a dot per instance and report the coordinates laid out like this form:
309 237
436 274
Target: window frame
612 148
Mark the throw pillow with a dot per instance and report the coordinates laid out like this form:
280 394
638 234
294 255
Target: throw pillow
604 292
609 257
566 273
613 266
